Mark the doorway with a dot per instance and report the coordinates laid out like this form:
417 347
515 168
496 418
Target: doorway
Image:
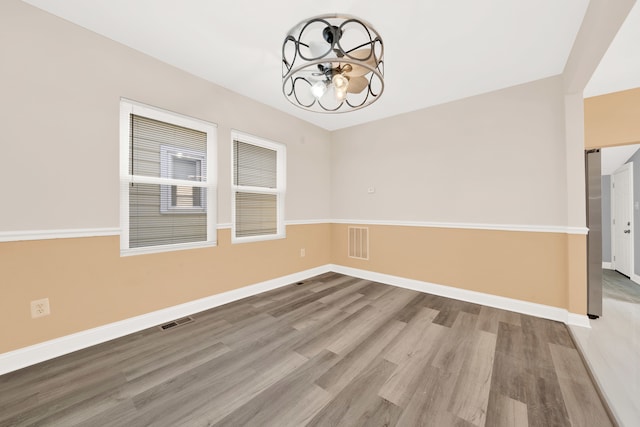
622 220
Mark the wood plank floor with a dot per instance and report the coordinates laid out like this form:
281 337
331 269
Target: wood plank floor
333 351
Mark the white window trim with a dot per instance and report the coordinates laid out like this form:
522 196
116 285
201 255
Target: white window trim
166 164
128 107
279 191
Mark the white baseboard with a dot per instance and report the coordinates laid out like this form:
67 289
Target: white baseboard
607 265
635 279
18 359
578 320
519 306
37 353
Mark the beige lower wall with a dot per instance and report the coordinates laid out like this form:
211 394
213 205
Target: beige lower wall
89 284
527 266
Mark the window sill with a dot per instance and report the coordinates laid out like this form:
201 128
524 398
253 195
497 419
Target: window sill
251 239
166 248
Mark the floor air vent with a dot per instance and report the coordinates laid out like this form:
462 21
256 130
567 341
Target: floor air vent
175 323
359 242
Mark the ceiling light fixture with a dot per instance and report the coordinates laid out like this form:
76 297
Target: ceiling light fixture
332 64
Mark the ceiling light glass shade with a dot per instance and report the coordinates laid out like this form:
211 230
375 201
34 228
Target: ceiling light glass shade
318 89
337 52
340 94
340 82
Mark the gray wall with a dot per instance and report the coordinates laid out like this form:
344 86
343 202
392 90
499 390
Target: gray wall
606 218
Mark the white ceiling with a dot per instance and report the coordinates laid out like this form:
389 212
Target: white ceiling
435 51
619 68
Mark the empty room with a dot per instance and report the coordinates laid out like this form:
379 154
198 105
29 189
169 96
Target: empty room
331 214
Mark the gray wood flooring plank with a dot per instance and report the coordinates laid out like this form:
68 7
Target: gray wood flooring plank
457 344
412 337
220 372
488 319
159 374
404 380
241 393
381 413
274 405
179 354
356 305
375 290
473 384
381 313
336 281
62 402
428 404
348 289
315 343
506 412
318 318
352 364
510 377
357 399
123 414
286 306
334 350
412 308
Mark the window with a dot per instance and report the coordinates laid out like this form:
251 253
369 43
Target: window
167 197
258 168
181 163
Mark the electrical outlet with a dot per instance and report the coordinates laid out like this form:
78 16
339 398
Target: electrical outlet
302 253
40 308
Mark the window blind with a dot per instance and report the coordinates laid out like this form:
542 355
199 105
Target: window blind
254 168
256 214
149 224
147 138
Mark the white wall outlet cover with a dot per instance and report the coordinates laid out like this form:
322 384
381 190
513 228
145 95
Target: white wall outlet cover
40 308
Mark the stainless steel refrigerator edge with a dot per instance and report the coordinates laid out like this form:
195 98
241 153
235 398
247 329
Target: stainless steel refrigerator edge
594 238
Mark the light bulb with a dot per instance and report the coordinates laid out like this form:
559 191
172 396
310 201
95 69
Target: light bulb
318 89
341 94
340 82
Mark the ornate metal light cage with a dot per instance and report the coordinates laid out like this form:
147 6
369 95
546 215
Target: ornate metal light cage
332 64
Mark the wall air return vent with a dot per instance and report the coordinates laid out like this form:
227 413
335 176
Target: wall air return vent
359 242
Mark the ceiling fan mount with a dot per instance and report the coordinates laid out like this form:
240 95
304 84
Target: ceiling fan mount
331 34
